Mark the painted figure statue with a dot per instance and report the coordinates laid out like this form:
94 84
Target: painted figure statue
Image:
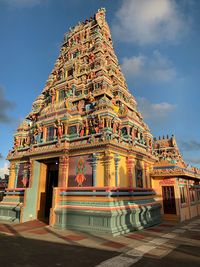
91 102
80 172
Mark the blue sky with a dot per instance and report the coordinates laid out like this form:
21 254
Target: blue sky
157 43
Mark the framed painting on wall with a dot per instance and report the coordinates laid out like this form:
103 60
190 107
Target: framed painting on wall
80 171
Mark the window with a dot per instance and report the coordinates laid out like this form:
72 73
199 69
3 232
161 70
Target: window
78 93
124 131
169 204
192 194
75 54
97 85
183 194
72 130
70 72
61 95
50 133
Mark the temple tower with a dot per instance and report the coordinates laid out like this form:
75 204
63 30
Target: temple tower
85 138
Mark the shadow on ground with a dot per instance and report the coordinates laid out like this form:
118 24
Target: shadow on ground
17 251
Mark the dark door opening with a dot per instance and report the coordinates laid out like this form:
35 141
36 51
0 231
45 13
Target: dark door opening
51 182
169 204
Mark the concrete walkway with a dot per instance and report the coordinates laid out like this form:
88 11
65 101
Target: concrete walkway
36 244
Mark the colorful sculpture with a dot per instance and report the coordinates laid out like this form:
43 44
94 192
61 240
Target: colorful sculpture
85 110
80 171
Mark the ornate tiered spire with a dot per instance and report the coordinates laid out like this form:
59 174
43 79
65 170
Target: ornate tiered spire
85 99
168 152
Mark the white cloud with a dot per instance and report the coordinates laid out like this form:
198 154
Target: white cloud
23 3
154 68
4 170
149 21
155 111
191 145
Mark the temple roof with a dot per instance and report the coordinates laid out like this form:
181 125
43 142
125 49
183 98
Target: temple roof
171 162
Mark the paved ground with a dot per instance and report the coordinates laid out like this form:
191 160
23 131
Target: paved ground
35 244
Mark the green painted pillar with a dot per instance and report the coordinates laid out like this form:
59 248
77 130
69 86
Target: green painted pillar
16 174
116 160
94 169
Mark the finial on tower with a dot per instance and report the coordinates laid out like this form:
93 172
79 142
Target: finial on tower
100 16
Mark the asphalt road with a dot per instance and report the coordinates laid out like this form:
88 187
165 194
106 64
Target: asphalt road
34 244
23 252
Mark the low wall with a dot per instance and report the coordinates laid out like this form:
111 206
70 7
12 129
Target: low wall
10 206
116 214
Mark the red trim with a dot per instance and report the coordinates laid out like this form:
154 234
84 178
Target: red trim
15 189
105 188
105 208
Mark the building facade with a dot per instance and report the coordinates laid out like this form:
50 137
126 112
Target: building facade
176 183
83 156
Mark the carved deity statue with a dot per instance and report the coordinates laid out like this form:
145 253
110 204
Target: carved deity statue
81 106
16 142
59 128
114 126
91 102
53 95
38 133
115 106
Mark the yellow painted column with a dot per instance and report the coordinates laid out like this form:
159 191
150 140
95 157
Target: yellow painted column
107 163
63 171
11 183
44 134
130 163
57 96
150 178
100 171
146 175
42 191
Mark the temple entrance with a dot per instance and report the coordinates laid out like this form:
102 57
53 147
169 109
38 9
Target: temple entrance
51 182
169 204
48 180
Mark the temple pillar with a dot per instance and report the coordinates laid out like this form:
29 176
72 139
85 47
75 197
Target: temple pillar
106 123
107 159
44 134
55 132
146 174
57 96
65 128
130 167
109 121
16 174
150 171
116 160
103 123
94 169
12 176
63 171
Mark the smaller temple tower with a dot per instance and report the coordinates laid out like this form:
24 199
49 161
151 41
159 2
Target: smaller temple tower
176 183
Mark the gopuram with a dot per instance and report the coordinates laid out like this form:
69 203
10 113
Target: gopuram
83 155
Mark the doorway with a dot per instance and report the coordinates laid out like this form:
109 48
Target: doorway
51 182
48 180
169 203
